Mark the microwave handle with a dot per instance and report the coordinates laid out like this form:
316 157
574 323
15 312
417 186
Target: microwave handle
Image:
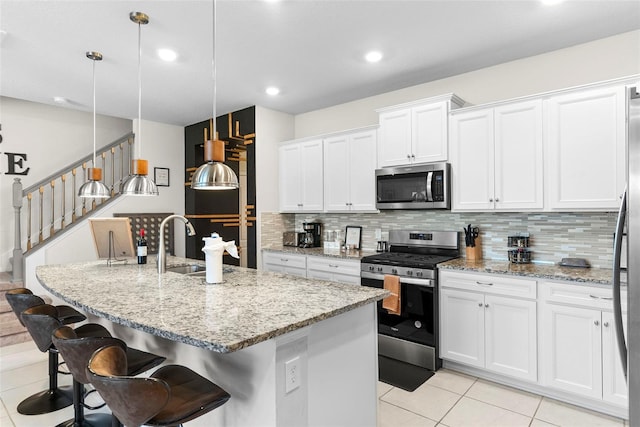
429 192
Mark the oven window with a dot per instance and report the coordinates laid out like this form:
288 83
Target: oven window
417 322
411 187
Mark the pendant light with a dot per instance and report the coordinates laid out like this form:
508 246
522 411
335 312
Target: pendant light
94 187
139 184
214 174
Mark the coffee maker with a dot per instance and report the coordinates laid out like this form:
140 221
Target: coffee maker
312 233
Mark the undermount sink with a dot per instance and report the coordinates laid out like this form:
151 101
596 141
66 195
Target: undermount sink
187 269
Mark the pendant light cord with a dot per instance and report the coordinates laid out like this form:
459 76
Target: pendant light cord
94 113
213 55
139 136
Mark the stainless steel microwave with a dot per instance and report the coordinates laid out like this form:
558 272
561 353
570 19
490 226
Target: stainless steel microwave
425 186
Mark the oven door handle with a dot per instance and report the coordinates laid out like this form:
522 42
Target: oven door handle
427 283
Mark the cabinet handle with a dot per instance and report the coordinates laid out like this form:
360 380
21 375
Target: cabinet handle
605 324
479 304
604 298
484 284
596 322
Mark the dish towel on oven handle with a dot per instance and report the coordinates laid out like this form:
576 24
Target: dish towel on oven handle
392 303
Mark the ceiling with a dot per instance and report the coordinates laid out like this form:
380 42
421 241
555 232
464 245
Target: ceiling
311 49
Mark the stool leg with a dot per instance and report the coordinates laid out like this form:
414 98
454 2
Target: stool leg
49 400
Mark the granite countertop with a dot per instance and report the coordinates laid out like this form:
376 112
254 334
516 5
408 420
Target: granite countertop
251 306
330 253
599 276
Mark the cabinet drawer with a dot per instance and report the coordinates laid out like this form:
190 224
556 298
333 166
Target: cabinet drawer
581 295
489 284
284 259
333 265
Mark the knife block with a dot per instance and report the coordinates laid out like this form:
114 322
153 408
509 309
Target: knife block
474 253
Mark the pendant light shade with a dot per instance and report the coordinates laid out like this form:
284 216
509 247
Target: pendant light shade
214 174
139 184
94 187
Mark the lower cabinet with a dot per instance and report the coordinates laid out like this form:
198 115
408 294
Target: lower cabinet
483 325
578 343
281 262
313 267
334 270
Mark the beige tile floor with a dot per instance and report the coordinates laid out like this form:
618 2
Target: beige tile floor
448 399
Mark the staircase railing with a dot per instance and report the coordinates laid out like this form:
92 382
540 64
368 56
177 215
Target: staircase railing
53 205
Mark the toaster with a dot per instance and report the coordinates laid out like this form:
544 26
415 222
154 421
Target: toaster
292 238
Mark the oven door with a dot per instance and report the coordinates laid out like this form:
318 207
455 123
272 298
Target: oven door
417 321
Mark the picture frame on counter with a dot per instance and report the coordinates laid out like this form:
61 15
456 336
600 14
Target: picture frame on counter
161 176
353 236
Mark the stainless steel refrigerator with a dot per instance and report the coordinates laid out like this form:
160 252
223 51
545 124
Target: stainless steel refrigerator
628 225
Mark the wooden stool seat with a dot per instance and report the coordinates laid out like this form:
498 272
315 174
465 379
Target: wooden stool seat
171 396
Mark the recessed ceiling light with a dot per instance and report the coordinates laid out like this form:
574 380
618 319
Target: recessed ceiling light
272 90
373 56
551 2
60 100
167 55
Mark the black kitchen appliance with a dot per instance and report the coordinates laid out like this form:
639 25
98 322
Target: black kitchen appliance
408 343
312 233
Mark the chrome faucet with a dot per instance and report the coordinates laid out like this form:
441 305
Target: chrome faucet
162 251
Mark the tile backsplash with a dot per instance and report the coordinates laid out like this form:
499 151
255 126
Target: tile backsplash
553 236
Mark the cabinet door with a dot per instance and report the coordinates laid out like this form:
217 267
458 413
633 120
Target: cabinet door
571 350
472 160
361 170
394 145
312 169
518 156
290 178
336 173
429 133
462 327
510 337
614 386
585 148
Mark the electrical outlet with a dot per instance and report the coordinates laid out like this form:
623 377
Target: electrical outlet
292 374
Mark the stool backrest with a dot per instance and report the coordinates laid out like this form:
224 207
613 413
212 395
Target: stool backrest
76 351
20 299
41 321
133 400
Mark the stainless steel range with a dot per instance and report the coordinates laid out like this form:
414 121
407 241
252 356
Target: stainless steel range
410 337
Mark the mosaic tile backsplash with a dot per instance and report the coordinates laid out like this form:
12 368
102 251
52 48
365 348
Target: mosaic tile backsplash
552 236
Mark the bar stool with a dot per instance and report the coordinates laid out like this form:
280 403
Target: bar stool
41 321
172 395
77 351
22 298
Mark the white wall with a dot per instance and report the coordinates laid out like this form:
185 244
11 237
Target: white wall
272 127
604 59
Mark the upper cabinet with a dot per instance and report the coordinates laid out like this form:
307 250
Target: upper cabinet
585 149
300 176
497 157
349 172
416 132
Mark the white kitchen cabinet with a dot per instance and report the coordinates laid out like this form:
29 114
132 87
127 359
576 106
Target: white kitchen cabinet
282 262
415 132
489 322
497 157
300 176
349 172
333 269
585 149
578 348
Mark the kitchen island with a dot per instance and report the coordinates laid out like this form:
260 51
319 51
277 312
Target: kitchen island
243 334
